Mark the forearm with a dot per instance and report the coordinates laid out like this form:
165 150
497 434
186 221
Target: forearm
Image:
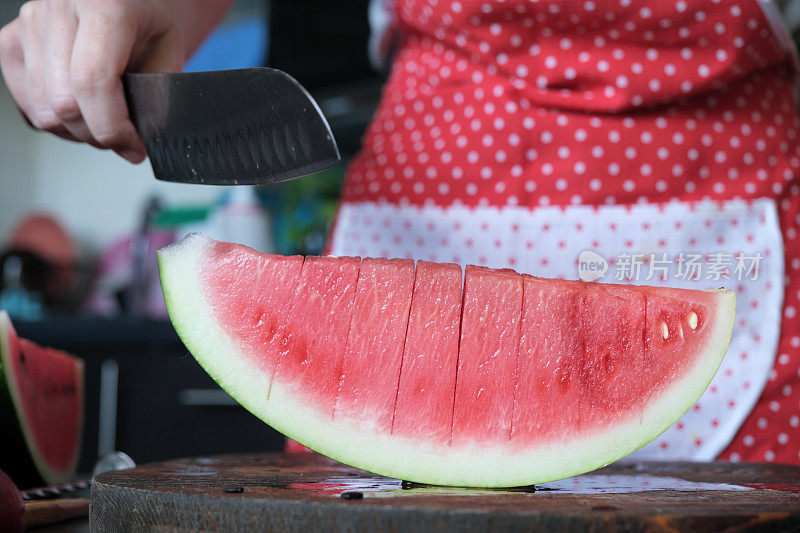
195 19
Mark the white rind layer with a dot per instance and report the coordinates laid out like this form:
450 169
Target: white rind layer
479 465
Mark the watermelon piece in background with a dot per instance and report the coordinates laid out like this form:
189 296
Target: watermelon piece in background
371 367
41 410
556 381
430 357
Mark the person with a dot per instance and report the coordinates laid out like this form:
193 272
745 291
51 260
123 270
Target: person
655 139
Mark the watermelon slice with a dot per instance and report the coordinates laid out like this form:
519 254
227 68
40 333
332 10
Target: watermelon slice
41 410
510 380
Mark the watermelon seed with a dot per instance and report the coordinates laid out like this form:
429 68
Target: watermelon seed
664 330
352 495
693 320
234 490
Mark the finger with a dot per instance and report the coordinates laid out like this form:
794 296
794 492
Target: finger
32 19
100 54
12 65
61 132
62 26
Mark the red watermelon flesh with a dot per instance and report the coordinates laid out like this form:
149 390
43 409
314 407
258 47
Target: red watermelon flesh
533 379
430 357
548 394
487 355
318 326
675 326
41 390
256 319
612 334
375 342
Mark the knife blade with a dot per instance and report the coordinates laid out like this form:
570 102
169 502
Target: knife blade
229 127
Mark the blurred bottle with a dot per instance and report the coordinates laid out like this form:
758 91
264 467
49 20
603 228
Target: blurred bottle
39 268
239 217
14 298
126 279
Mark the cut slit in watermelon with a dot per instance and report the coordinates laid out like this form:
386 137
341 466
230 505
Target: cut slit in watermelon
428 375
260 322
528 381
487 355
41 407
314 343
367 391
547 408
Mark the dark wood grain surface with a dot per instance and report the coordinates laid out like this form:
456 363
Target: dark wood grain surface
284 492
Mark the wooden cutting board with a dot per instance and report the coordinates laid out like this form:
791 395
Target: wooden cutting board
303 492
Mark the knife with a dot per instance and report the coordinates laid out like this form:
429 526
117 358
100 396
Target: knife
229 127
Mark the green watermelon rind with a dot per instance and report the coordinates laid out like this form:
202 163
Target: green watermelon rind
405 458
28 467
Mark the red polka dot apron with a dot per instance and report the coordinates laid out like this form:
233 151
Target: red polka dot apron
657 140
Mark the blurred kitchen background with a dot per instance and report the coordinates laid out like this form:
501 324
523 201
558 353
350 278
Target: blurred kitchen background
79 229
